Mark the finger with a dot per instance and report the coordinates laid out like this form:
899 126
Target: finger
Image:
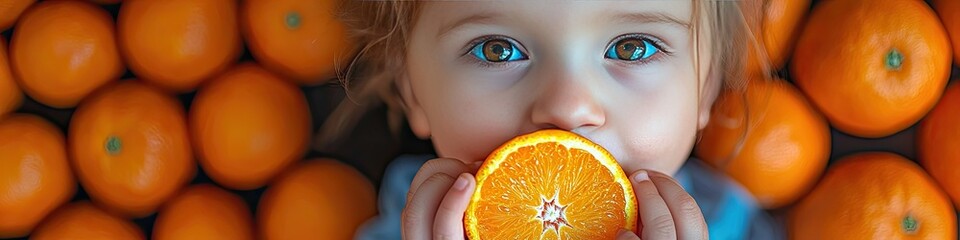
627 235
418 214
654 214
448 166
448 223
686 213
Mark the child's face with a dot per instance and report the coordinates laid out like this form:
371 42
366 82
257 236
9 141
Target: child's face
620 73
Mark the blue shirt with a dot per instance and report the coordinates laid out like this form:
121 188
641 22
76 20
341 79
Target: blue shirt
729 210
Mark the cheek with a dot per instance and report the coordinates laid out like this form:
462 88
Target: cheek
468 116
468 131
657 131
658 144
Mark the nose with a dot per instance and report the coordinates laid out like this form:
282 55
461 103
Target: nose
567 103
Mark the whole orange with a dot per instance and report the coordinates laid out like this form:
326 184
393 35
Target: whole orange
316 198
949 12
10 11
872 67
10 95
204 212
130 147
769 139
779 24
938 139
83 220
106 2
874 196
247 125
35 175
178 44
64 50
302 39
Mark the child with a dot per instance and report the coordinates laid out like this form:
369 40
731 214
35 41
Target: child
637 77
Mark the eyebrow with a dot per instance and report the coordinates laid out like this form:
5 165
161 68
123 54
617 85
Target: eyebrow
632 17
478 18
649 17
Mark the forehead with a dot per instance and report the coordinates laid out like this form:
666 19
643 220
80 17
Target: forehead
446 16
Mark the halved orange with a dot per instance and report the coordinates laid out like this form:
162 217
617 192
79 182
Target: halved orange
550 184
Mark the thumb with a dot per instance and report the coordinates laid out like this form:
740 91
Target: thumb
627 235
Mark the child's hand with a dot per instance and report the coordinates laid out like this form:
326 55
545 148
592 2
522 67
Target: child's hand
436 204
666 211
437 200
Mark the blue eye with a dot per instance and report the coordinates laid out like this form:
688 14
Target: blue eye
497 50
632 49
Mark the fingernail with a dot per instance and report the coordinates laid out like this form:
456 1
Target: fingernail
623 234
461 183
641 176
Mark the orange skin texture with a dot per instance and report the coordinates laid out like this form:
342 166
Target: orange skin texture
309 50
153 159
10 11
106 2
846 71
10 95
777 150
868 196
63 51
35 176
204 212
319 197
83 220
949 12
247 125
937 141
779 25
178 44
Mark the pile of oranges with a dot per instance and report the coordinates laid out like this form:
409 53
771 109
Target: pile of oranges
133 147
866 70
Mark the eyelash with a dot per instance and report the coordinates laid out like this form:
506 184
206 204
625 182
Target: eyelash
656 42
492 65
